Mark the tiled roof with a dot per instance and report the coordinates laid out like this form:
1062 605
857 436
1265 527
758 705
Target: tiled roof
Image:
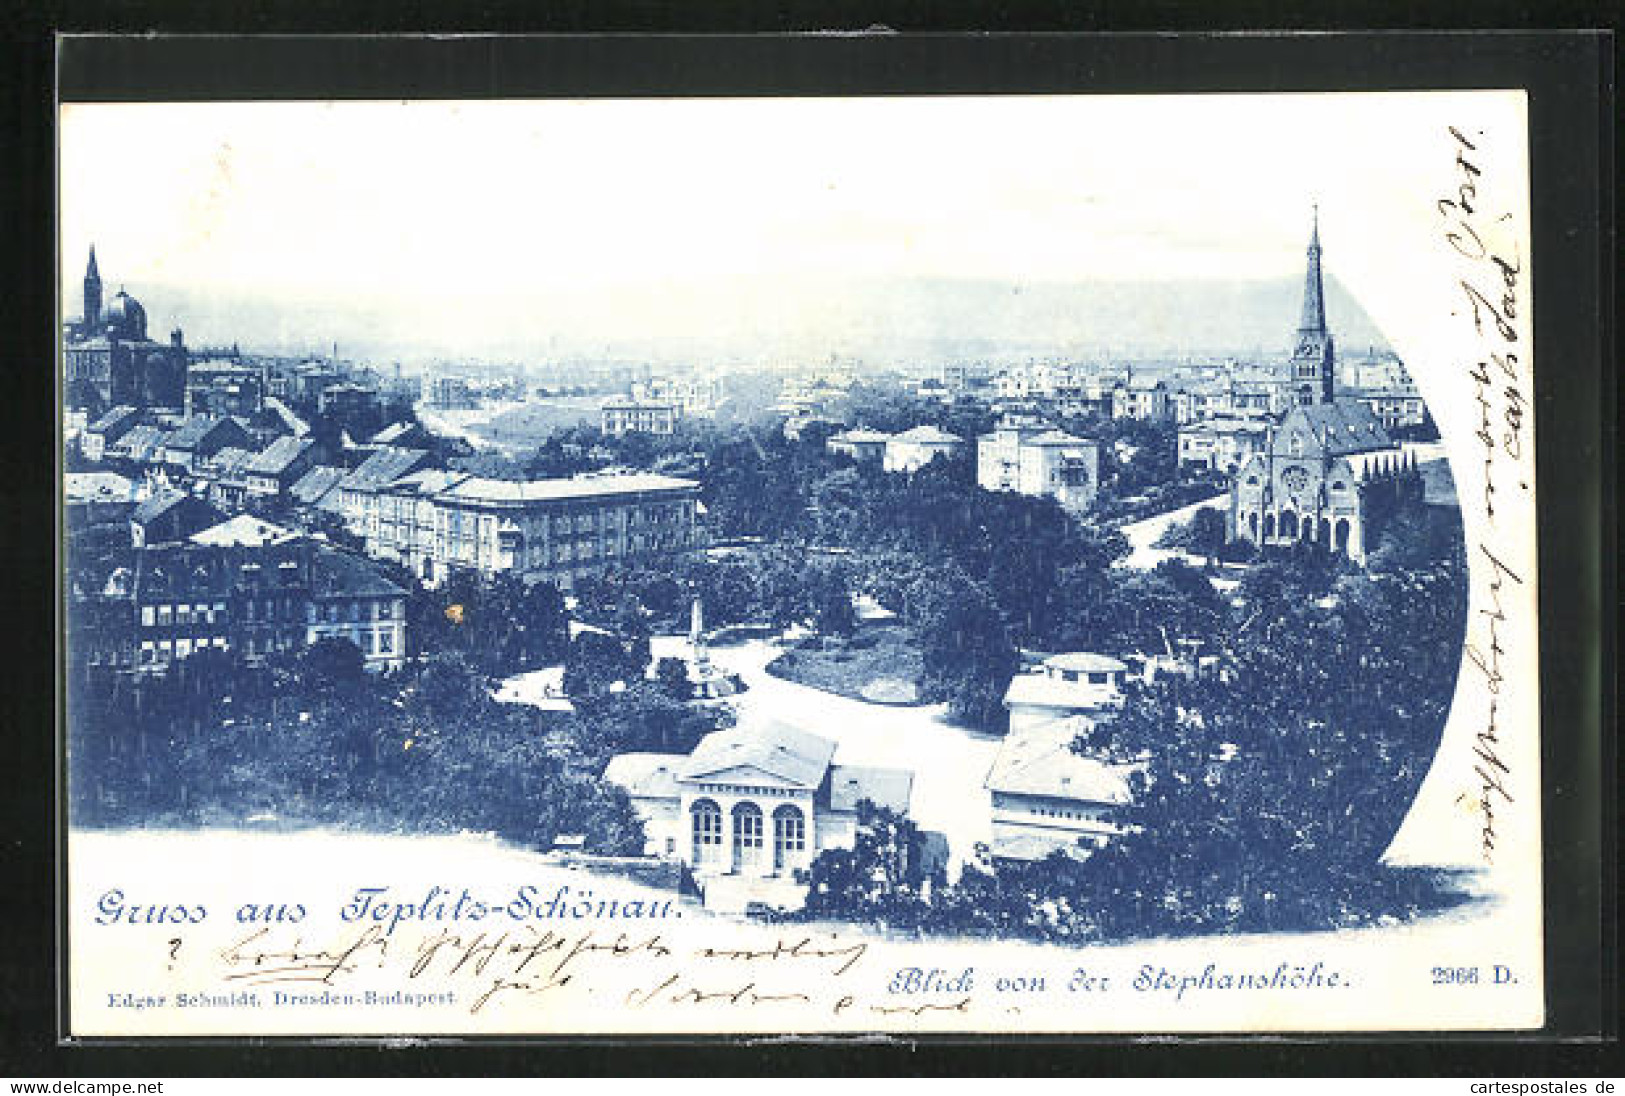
339 574
157 505
793 756
1044 764
889 788
646 774
279 455
114 418
927 434
244 530
384 466
231 461
481 489
192 431
142 442
1338 428
316 483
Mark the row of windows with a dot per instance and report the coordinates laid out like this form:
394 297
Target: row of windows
163 650
370 642
789 826
162 616
1057 812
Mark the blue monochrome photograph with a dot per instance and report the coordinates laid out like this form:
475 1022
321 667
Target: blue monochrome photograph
799 566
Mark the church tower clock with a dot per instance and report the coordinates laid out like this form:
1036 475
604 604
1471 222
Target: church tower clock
1313 359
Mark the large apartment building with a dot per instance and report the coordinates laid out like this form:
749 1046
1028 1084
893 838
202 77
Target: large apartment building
141 610
555 529
1023 454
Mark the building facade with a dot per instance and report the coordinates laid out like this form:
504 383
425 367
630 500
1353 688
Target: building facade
860 445
752 806
1025 456
913 449
640 416
1329 474
140 611
559 530
109 360
1221 444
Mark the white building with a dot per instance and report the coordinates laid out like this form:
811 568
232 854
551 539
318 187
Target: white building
751 806
1222 444
1065 685
914 449
553 529
1024 455
1142 398
859 444
640 415
1046 796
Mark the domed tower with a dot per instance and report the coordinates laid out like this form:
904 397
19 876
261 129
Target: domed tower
93 294
126 319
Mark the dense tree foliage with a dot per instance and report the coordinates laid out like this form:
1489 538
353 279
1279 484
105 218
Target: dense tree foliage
1266 788
307 740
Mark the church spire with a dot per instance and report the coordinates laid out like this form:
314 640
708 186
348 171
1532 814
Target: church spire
1314 296
93 293
1314 364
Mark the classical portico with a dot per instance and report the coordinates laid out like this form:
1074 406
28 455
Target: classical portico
754 803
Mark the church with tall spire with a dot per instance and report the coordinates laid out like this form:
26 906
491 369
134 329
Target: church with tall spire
109 361
1314 359
1329 474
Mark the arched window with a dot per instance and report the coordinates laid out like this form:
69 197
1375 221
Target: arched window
1341 539
1289 524
747 847
789 835
747 826
1339 485
706 820
118 583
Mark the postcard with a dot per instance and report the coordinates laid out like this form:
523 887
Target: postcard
800 566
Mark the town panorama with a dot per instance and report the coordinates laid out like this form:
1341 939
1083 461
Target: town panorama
1046 646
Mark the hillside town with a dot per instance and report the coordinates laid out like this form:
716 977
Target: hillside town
838 639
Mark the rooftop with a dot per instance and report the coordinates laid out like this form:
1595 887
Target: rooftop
279 455
1086 662
316 484
851 784
1044 764
482 489
793 756
645 774
244 530
384 466
927 435
339 574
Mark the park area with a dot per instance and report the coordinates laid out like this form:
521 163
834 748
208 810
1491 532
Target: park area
880 664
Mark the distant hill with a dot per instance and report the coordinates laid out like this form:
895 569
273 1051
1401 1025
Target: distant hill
877 320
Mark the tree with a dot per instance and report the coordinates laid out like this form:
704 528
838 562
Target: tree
877 879
330 664
832 605
967 657
596 661
672 675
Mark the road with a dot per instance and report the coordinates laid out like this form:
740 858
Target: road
1143 535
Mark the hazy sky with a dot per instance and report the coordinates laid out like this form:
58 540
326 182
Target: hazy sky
502 227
